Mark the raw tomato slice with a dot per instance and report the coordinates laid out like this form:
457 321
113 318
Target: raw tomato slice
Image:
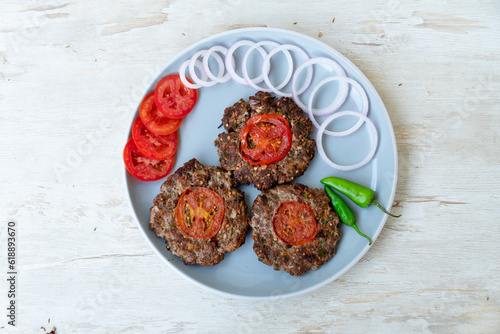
199 212
265 139
154 120
174 100
142 167
294 223
152 145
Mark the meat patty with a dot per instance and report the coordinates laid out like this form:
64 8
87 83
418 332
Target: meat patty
235 224
296 260
285 170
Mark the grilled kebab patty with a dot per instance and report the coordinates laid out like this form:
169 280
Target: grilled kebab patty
235 224
296 260
285 170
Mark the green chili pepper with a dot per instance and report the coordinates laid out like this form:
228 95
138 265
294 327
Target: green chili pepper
357 193
344 211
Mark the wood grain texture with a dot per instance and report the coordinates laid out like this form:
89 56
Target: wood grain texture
72 71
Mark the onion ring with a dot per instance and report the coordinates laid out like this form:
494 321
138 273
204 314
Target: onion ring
251 82
194 76
182 74
219 78
343 90
231 66
364 110
267 64
319 143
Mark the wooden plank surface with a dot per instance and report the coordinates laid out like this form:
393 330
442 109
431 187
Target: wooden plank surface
72 71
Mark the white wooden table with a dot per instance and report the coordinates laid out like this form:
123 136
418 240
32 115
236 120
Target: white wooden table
71 73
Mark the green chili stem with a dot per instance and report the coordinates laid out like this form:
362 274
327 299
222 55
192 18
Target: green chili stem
354 226
374 202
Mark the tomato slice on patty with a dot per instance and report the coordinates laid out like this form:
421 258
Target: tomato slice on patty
265 139
154 120
294 223
173 99
152 145
199 212
142 167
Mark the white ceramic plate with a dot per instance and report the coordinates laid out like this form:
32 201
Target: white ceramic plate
240 274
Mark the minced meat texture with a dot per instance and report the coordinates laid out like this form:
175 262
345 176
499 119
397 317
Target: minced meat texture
296 260
264 177
235 225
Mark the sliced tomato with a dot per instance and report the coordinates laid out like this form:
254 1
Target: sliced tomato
173 99
152 145
154 120
142 167
199 212
265 139
294 223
